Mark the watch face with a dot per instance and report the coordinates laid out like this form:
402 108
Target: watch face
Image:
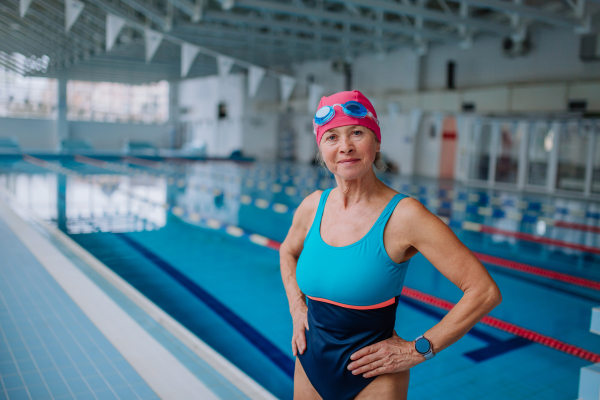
422 345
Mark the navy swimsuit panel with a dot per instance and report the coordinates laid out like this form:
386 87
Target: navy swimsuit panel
334 334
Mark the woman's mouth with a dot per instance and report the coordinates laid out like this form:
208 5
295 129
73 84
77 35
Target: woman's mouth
349 162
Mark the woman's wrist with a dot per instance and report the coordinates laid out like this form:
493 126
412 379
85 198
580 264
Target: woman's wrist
299 304
415 355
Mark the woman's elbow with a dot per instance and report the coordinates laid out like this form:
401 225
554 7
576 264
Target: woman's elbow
494 297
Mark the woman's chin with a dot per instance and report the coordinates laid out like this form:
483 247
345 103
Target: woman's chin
350 175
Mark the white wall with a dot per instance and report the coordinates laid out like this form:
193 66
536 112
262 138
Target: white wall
111 135
306 142
36 134
428 148
40 134
201 97
555 57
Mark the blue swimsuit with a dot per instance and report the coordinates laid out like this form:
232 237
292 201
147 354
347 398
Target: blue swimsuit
353 295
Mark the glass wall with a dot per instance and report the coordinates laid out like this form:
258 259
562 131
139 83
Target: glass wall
572 156
480 152
118 102
27 97
507 153
541 141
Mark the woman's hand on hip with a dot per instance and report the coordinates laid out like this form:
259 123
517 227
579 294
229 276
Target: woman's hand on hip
388 356
300 318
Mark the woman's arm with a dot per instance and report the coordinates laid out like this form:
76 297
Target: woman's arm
289 252
436 241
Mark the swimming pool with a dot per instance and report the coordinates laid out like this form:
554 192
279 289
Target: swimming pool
199 239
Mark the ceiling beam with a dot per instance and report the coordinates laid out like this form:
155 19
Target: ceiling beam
528 12
231 17
344 18
432 15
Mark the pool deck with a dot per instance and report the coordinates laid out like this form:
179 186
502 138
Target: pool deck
72 329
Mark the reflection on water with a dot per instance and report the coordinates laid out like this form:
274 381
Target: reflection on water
261 197
92 203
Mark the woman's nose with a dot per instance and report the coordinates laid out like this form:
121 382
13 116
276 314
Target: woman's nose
345 145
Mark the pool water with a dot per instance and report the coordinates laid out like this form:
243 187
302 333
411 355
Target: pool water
157 228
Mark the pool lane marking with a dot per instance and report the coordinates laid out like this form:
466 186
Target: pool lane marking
508 327
278 357
495 346
576 226
539 239
530 269
488 320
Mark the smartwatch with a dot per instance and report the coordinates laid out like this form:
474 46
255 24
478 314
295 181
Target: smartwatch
424 347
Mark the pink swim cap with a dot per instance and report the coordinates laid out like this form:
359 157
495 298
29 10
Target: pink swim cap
341 119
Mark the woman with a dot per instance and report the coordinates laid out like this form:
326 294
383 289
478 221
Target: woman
348 250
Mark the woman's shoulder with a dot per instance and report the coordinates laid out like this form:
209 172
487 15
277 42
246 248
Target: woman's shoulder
310 203
408 211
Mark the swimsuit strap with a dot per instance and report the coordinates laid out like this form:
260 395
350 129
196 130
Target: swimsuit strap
319 215
387 213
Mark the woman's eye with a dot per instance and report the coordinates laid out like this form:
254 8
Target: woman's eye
332 136
359 132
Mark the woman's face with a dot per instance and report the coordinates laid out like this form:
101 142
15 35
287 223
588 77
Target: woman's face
349 151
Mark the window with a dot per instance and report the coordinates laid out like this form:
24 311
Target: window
26 97
118 102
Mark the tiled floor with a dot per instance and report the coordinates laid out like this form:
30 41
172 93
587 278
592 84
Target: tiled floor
49 349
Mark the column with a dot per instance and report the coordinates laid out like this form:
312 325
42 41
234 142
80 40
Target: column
62 125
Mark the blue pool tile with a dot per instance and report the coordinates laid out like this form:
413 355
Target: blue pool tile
86 397
62 361
105 368
21 354
26 366
32 379
39 392
96 383
78 386
2 395
125 393
58 389
39 353
70 373
45 363
12 381
105 395
16 344
8 368
52 375
87 370
18 394
131 376
115 380
143 391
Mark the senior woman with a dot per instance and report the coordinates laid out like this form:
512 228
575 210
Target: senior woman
348 250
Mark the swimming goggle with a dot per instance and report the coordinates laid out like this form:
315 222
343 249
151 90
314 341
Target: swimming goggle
351 108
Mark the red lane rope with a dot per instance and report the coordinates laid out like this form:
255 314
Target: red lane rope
508 327
530 269
540 239
581 227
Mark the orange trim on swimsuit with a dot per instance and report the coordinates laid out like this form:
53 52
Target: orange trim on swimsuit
383 304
